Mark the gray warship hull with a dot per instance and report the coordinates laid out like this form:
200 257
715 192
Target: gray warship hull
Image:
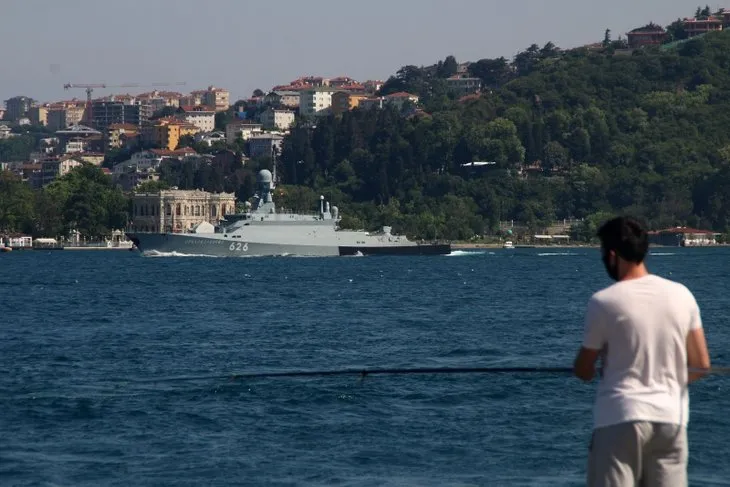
191 244
262 231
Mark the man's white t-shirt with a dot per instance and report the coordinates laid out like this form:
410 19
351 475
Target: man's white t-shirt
643 324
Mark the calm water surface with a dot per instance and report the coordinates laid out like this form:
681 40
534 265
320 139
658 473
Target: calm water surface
86 336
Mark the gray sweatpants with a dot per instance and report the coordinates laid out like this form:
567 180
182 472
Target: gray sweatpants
638 454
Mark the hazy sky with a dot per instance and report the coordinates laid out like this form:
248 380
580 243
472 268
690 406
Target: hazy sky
242 45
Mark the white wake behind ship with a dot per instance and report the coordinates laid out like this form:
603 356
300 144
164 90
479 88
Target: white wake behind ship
261 231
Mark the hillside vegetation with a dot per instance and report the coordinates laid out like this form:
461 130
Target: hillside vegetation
643 132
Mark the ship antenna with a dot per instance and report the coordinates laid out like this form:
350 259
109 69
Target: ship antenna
274 181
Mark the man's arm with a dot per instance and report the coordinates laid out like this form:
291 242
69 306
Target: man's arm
584 366
698 356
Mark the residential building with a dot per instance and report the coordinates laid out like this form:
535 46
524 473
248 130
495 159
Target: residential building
118 134
218 98
725 14
210 138
315 101
464 85
93 158
158 100
165 133
344 101
288 99
264 144
47 146
241 129
372 102
18 107
80 138
192 100
65 114
400 99
201 116
143 166
5 132
649 35
54 168
340 81
132 177
695 27
273 119
372 85
179 210
2 113
106 113
38 115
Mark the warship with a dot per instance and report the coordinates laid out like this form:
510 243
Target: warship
262 231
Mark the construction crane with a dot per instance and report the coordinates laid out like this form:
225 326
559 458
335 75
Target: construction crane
90 89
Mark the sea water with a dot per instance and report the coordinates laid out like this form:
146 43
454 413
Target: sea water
90 339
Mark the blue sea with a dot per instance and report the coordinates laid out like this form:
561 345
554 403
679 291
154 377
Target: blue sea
114 368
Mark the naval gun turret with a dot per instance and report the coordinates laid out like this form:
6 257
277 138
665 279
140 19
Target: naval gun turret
265 183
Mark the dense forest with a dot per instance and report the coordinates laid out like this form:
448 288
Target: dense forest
580 133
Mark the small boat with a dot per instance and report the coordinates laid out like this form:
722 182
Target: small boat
5 249
508 245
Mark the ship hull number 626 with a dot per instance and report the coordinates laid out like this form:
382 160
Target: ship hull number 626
238 247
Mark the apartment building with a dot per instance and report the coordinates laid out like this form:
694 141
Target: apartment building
243 129
315 101
166 133
18 107
106 113
201 116
273 119
119 133
344 101
264 144
464 85
218 98
38 115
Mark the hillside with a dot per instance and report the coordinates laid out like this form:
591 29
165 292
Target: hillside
576 133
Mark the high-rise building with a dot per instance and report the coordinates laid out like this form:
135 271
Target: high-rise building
106 113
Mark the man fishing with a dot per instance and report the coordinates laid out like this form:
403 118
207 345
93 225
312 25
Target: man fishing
648 334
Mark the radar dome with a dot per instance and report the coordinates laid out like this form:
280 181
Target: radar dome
264 176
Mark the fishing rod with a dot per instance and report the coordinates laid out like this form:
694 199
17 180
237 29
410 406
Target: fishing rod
394 371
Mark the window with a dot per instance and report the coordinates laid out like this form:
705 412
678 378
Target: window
168 209
177 209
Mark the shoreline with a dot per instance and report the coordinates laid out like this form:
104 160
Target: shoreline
476 246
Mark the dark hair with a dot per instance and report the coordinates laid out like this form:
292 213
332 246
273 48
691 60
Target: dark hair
626 236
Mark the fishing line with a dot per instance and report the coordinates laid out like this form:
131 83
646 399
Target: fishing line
362 373
388 371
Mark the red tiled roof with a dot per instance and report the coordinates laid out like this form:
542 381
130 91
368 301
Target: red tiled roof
465 98
177 152
400 94
125 126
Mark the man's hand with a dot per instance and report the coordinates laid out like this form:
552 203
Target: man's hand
584 366
697 355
